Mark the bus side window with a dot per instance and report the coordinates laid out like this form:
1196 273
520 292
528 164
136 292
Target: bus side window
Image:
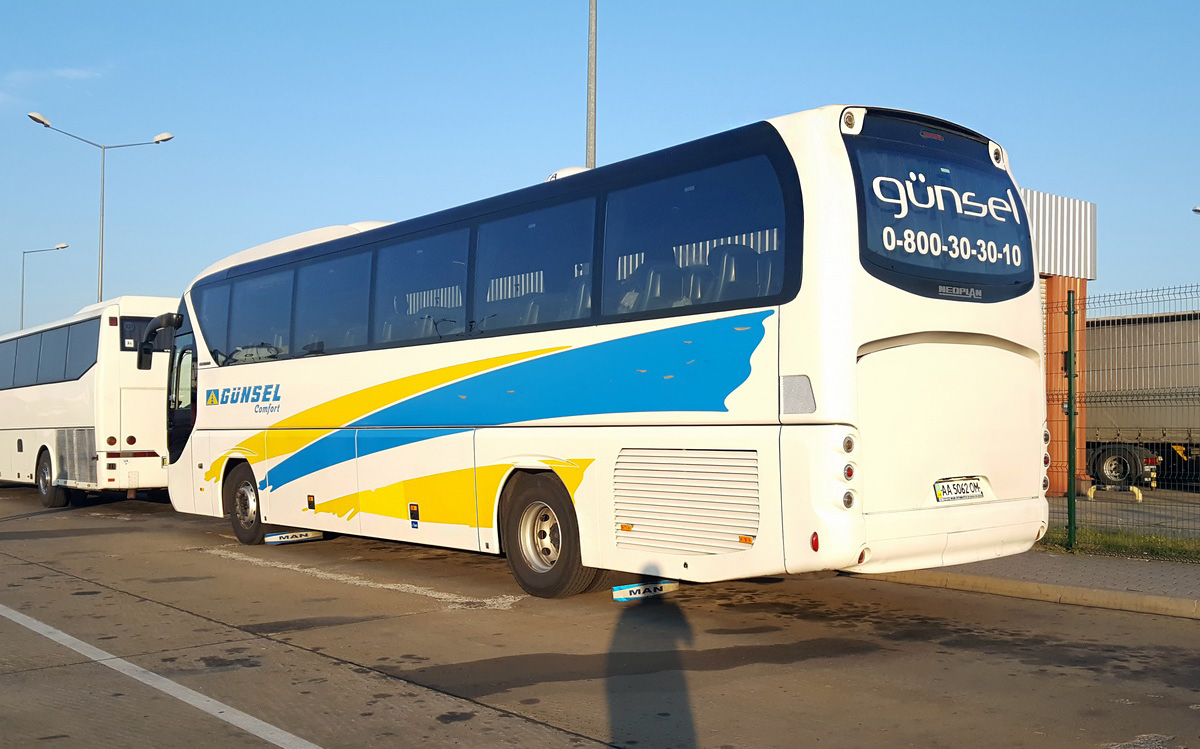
260 316
81 348
332 296
534 268
419 287
695 238
28 349
8 360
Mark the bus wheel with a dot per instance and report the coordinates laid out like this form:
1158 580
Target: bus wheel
241 497
51 495
541 539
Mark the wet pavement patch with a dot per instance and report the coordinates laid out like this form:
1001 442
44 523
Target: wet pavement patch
454 717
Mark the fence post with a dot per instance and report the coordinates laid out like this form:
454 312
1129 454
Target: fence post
1071 411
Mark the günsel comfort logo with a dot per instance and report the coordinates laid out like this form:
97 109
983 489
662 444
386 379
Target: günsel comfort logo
264 397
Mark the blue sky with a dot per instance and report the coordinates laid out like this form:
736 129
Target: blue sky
294 115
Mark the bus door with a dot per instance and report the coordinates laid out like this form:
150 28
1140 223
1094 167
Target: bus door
181 419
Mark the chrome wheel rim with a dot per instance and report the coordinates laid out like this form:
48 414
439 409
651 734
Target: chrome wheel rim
1115 468
43 479
245 505
541 540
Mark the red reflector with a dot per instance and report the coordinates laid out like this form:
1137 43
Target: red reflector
112 455
931 136
816 542
133 454
1150 461
112 322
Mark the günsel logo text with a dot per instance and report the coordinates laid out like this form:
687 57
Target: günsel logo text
962 292
264 397
903 196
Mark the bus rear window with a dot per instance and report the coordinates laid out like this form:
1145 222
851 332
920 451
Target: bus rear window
936 216
133 331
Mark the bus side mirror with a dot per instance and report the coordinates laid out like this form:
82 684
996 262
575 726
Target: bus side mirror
170 320
145 355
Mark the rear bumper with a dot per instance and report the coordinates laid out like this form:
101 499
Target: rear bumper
934 537
123 473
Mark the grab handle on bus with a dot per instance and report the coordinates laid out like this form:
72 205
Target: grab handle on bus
170 320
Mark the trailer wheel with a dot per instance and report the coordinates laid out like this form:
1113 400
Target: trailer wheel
1116 466
51 495
241 497
541 539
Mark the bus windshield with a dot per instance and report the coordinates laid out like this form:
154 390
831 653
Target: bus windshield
936 216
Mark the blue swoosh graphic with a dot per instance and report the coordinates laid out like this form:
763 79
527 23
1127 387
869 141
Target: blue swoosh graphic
343 445
693 367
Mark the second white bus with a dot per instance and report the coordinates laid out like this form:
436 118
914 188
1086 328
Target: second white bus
76 413
809 343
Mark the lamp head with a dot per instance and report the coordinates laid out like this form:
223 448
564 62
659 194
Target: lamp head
39 119
61 246
163 137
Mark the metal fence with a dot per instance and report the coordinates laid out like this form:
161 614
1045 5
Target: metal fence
1137 403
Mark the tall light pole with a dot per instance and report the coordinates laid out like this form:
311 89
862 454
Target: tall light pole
62 246
160 138
591 87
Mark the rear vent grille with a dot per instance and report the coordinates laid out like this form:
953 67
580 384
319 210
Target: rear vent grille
76 450
686 501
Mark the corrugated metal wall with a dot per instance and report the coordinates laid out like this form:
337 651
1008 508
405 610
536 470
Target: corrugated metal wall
1064 234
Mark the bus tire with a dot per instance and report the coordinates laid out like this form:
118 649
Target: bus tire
541 538
241 497
51 495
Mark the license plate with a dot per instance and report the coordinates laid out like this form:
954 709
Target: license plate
969 488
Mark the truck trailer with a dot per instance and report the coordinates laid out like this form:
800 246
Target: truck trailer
1141 400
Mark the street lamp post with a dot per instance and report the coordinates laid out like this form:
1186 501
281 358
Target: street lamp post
61 246
160 138
590 147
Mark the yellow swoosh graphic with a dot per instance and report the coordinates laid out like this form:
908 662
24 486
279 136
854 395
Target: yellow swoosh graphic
448 497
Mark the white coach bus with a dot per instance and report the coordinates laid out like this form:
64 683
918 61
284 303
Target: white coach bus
76 413
809 343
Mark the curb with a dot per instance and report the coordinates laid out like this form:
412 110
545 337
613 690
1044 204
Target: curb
1118 600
